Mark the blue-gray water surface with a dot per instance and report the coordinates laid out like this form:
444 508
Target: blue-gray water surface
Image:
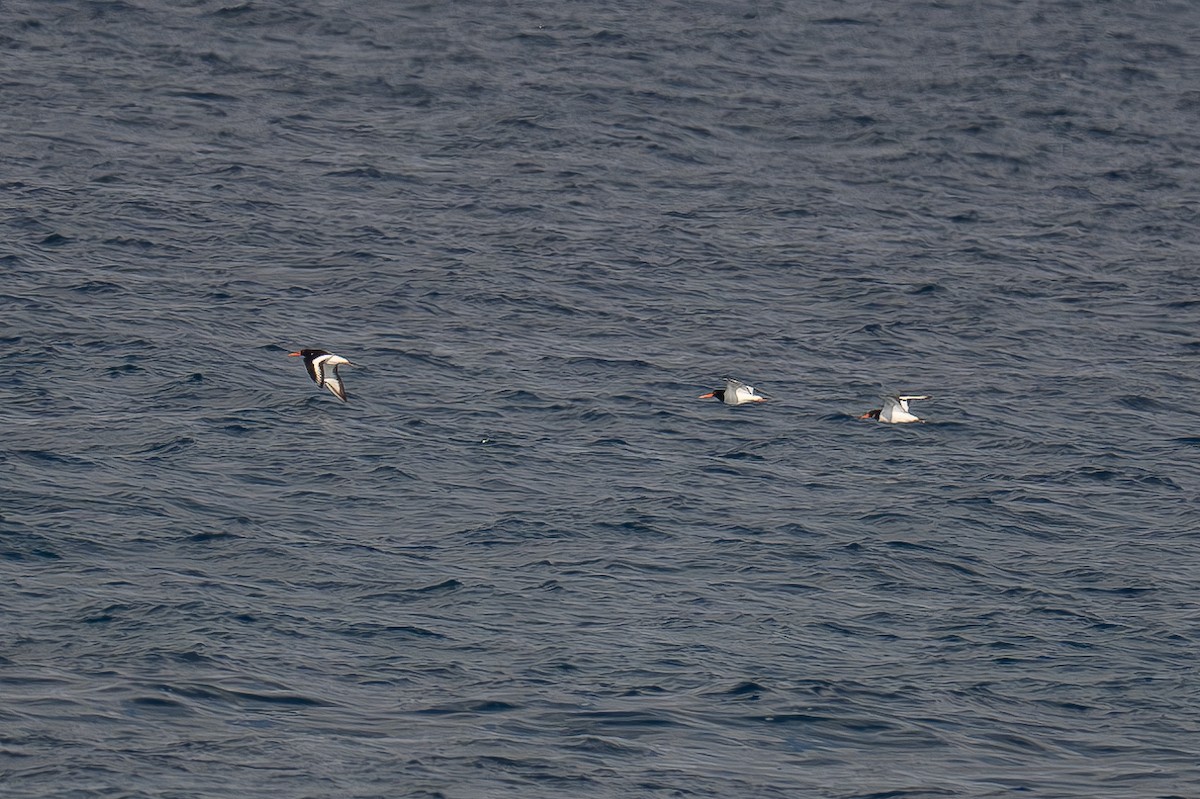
525 560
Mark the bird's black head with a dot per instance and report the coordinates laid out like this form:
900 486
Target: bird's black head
872 414
308 355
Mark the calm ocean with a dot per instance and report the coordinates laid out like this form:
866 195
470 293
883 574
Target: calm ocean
525 560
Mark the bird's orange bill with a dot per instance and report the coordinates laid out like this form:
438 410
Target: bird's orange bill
709 395
293 354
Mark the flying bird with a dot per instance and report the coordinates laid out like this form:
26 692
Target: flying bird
895 410
323 369
735 393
